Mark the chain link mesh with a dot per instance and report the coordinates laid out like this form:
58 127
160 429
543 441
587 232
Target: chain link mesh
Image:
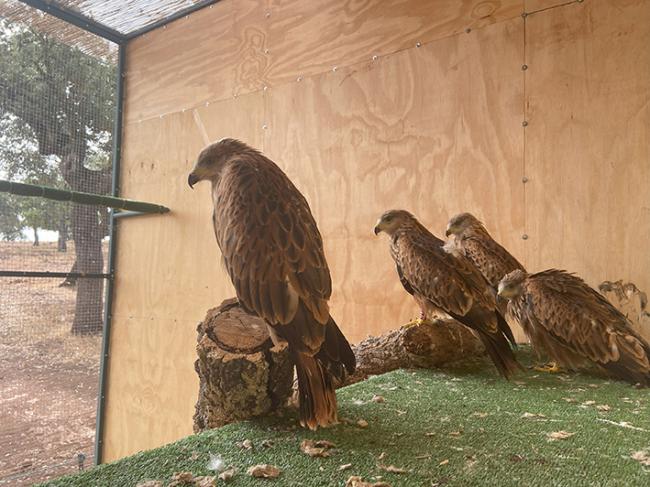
57 108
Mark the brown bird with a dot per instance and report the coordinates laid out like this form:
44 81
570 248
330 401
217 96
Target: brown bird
574 324
470 237
441 281
273 253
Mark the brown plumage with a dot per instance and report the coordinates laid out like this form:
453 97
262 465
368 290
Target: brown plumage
273 253
442 281
468 234
574 324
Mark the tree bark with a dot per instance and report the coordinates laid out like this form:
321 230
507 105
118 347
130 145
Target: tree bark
87 233
62 243
36 242
87 237
242 374
428 345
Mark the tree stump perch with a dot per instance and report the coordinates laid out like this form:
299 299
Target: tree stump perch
242 374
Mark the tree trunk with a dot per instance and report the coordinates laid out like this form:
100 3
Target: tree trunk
89 259
62 244
429 345
70 281
241 373
36 242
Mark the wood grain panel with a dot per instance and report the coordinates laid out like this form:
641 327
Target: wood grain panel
532 6
349 32
588 143
168 274
436 130
151 392
240 46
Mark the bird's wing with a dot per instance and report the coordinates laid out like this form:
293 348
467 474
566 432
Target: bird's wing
435 274
582 319
270 243
492 259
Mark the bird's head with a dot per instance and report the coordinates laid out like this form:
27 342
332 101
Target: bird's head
458 224
511 285
392 220
212 159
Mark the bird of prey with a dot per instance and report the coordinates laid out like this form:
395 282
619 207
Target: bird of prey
469 237
472 239
574 324
273 253
442 281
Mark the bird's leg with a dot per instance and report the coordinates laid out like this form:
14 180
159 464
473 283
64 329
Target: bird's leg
422 320
550 367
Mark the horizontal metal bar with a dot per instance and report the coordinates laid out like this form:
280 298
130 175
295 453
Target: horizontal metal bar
78 275
128 214
178 15
23 189
75 18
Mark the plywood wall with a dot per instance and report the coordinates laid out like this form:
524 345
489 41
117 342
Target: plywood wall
369 106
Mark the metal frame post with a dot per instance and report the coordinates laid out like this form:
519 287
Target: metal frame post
108 301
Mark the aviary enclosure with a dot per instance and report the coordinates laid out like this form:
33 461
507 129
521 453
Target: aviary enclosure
532 114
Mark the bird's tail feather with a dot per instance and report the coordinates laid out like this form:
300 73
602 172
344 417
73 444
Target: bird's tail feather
323 358
500 352
316 395
506 330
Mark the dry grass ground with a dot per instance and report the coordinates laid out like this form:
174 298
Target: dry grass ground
48 377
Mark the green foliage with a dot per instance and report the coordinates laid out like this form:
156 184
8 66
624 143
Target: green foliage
56 117
461 427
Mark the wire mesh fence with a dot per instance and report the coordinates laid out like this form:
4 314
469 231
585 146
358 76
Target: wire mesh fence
57 108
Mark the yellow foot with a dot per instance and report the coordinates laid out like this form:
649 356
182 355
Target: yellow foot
418 322
551 368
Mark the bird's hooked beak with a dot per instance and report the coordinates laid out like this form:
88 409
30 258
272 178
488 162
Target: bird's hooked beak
192 179
448 231
505 292
378 228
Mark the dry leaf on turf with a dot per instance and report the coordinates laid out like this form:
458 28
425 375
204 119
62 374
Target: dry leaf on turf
362 423
228 474
532 415
345 466
356 481
456 433
246 444
318 448
603 407
205 481
264 471
182 477
559 435
377 398
444 462
642 456
267 443
392 468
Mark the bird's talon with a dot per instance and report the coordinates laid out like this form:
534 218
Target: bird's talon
418 322
550 368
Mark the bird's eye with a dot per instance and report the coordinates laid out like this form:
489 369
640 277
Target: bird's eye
389 218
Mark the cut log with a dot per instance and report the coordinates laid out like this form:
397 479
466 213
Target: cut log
630 301
428 345
241 373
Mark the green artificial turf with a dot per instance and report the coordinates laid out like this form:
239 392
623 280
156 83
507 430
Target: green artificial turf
459 427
